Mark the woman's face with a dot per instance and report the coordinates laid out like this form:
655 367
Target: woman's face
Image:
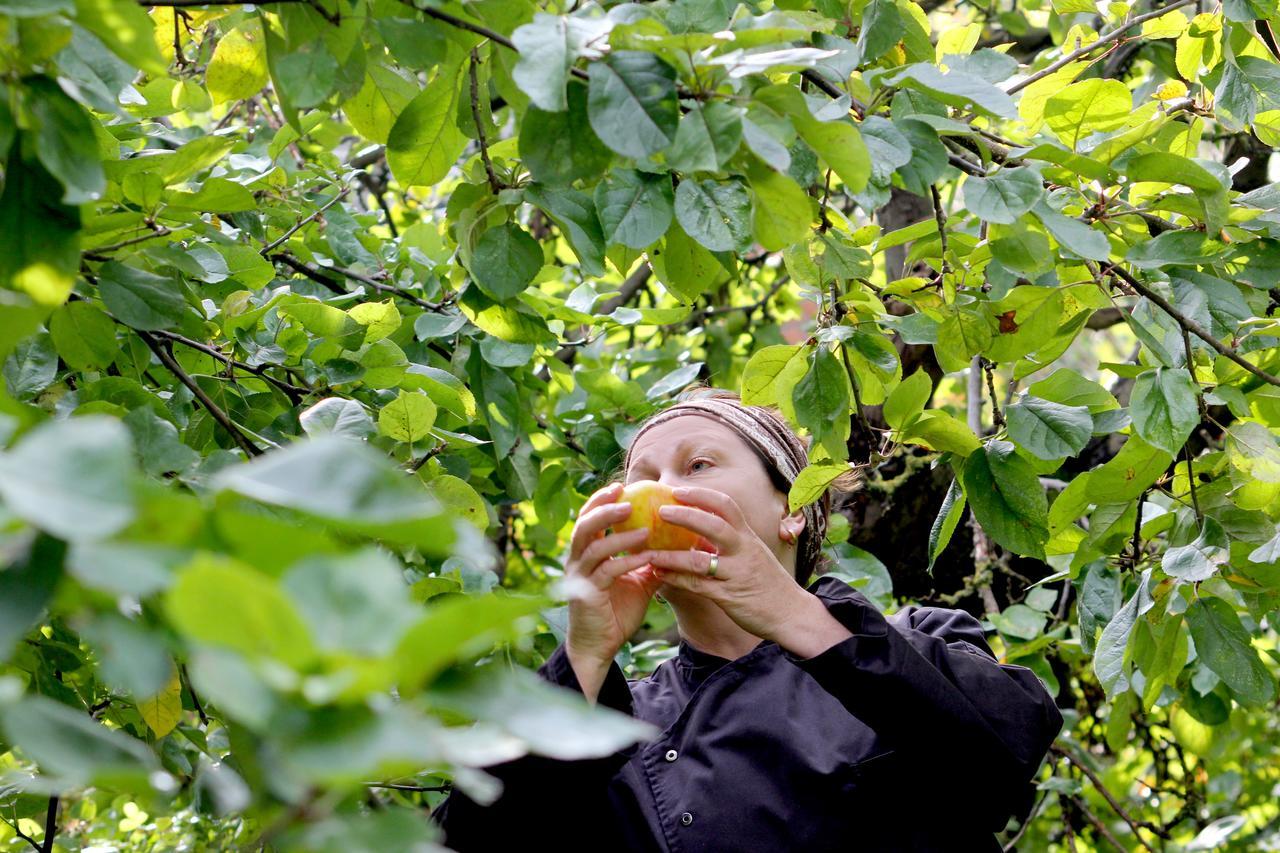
691 450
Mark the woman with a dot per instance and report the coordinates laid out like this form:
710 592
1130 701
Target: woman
791 718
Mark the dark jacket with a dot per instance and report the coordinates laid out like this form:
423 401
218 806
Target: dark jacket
907 736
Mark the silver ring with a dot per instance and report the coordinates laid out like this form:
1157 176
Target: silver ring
715 564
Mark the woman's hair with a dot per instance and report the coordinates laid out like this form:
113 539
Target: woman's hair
847 482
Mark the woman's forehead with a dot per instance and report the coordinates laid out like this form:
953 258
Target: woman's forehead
679 432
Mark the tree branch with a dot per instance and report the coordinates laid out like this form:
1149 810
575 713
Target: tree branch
1111 800
270 247
494 184
1191 325
1105 39
320 276
50 825
171 364
293 392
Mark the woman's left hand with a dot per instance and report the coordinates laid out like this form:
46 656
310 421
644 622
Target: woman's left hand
751 585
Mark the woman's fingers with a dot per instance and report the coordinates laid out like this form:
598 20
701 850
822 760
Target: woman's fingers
688 563
613 568
715 502
597 514
611 545
711 527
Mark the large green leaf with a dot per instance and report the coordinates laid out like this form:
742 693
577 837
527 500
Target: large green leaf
1049 430
1007 498
717 215
1224 645
632 103
72 478
1005 196
635 208
73 747
1164 409
425 140
141 299
505 261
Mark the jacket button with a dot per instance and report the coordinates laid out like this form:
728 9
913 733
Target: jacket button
671 755
686 818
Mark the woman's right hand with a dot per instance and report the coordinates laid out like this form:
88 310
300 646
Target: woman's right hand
611 606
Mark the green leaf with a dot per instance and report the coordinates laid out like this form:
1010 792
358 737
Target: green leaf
840 145
140 299
75 748
940 431
1198 560
124 27
882 29
683 266
374 109
352 602
326 321
944 525
238 68
812 481
425 141
1109 661
707 136
65 141
956 88
631 102
1072 234
339 416
1005 196
560 147
1224 645
39 235
575 214
26 586
409 417
456 628
1163 406
759 385
548 47
505 261
1006 496
1088 106
72 478
84 336
1049 430
821 397
346 484
31 367
635 208
907 400
782 212
1127 474
223 603
716 214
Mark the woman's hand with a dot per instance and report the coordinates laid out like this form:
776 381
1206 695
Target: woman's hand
611 605
751 585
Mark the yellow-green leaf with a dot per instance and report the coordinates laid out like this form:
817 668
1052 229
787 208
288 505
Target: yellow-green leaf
238 68
408 417
162 711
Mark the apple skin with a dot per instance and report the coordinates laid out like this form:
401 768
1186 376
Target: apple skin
645 496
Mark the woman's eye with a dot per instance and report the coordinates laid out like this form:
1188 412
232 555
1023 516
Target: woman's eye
699 462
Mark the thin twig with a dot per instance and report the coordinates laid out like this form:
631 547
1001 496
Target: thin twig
18 832
195 700
997 417
1098 824
320 276
427 457
942 230
1104 39
158 232
170 363
1191 325
494 184
293 392
270 247
1107 795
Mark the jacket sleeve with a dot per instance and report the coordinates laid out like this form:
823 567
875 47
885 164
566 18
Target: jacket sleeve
932 688
528 780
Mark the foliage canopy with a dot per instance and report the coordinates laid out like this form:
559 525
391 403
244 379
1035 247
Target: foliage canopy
320 318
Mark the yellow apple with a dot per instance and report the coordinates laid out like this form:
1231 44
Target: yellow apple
645 496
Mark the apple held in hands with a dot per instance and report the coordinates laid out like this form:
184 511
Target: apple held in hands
645 496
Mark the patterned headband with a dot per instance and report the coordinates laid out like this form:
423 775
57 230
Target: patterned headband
778 447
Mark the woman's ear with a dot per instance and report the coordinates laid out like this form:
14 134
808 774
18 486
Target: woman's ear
790 527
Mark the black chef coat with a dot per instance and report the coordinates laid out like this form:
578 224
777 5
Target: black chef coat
907 736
